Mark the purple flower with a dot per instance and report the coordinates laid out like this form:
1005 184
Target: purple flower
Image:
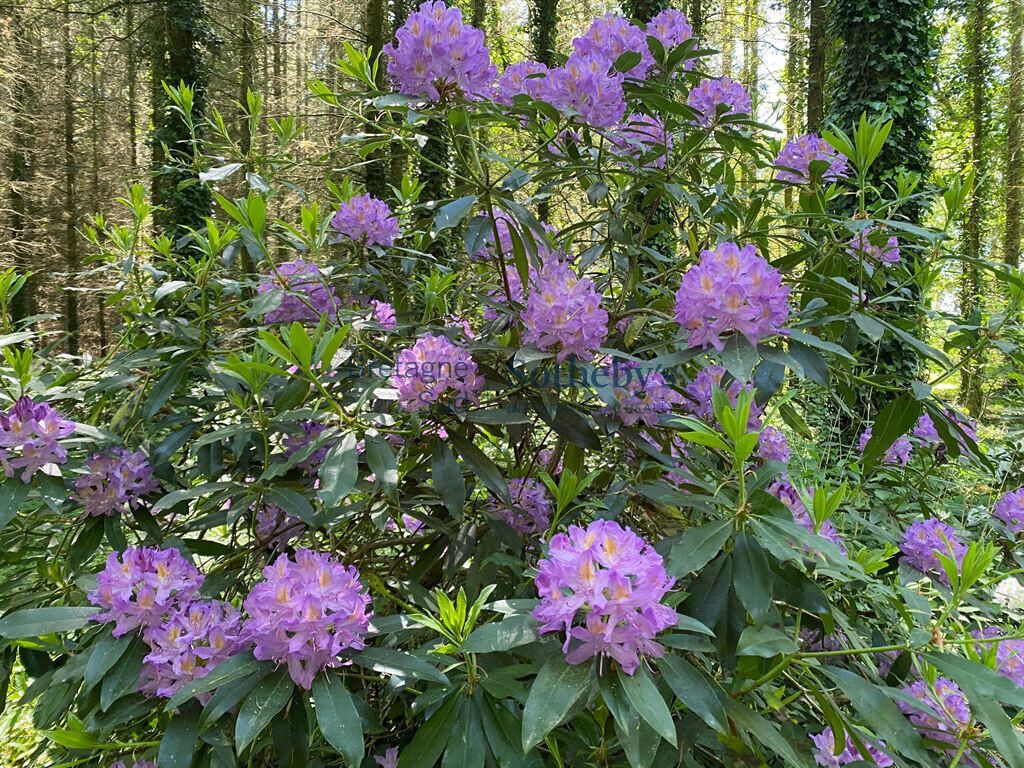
611 36
305 613
798 154
946 712
864 246
116 482
188 644
367 220
671 28
772 445
140 587
643 140
526 77
824 754
307 296
785 492
1010 509
924 539
274 528
586 87
301 441
437 55
731 289
384 314
430 368
564 312
925 430
709 95
515 290
411 524
603 586
508 229
897 453
136 764
389 759
530 512
34 429
816 640
641 394
699 391
1009 654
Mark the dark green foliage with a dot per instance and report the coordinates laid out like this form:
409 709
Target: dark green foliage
644 10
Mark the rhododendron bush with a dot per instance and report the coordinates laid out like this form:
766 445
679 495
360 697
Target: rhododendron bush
410 481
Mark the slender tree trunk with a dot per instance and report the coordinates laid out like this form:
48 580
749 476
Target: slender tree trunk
697 17
644 10
247 67
19 165
728 39
94 139
130 68
1014 175
977 75
793 75
277 53
377 165
816 65
70 183
399 155
479 13
543 25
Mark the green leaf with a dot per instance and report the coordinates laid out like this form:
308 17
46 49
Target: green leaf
738 357
259 708
694 690
880 714
12 495
338 718
466 747
697 546
432 737
873 329
293 503
399 664
985 682
648 702
339 471
1005 736
764 642
450 214
105 654
764 731
894 420
33 622
381 461
195 492
123 678
482 466
505 735
234 668
502 635
179 741
447 478
164 388
554 692
751 576
227 697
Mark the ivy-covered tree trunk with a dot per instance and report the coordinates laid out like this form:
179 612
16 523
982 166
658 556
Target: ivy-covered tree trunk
179 56
377 165
1014 174
970 288
644 10
70 186
399 155
697 17
816 44
479 13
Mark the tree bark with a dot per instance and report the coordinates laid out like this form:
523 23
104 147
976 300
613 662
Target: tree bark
377 165
247 67
1014 175
399 155
644 10
479 13
697 17
751 34
816 65
130 67
70 183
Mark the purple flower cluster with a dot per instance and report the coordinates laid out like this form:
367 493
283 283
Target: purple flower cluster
925 430
586 87
34 429
603 585
564 312
526 77
862 247
530 512
142 586
731 289
515 290
611 36
437 54
796 157
785 492
1010 509
897 453
923 539
384 314
115 483
389 759
188 644
642 138
432 367
305 613
367 220
307 296
644 397
824 754
300 441
1009 654
274 529
711 94
946 711
772 445
699 391
670 28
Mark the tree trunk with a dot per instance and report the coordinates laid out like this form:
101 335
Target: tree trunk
970 296
19 166
644 10
697 17
479 13
728 43
130 67
543 26
70 182
816 65
247 67
377 165
751 33
399 155
1014 175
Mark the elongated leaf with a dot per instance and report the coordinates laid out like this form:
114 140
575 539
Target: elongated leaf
694 690
123 678
227 697
552 696
399 664
764 642
697 547
234 668
502 635
179 741
105 655
339 471
450 214
13 493
447 478
505 736
979 678
164 388
33 622
751 576
195 492
432 737
259 708
338 718
1005 736
648 702
764 731
896 419
293 503
466 746
381 459
482 466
